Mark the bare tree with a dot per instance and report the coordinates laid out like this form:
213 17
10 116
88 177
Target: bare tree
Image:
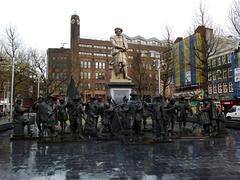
210 41
48 84
201 16
143 73
167 61
11 44
234 16
138 72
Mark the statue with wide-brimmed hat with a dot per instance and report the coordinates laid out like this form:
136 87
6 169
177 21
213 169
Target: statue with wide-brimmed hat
119 54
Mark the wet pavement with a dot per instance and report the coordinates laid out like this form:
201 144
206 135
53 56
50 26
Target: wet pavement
182 159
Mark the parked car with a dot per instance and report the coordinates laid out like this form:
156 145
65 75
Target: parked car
233 113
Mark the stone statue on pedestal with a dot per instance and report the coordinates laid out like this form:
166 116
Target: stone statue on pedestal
119 54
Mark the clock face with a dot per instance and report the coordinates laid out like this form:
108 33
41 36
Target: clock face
78 22
73 21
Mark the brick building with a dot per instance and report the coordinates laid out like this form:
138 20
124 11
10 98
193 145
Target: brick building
87 60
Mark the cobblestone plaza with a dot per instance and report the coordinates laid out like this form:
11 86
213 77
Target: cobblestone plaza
182 159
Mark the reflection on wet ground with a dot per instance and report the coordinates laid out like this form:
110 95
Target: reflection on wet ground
182 159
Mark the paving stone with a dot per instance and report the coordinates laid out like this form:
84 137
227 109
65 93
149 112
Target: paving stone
182 159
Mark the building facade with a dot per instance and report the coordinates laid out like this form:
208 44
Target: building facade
188 76
87 60
221 70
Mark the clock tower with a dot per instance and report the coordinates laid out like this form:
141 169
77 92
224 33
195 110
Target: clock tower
75 30
74 40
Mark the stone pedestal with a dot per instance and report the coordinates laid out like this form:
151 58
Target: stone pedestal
118 90
118 87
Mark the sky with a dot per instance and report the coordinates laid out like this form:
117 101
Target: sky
45 24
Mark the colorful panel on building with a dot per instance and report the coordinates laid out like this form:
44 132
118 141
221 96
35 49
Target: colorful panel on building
187 62
235 74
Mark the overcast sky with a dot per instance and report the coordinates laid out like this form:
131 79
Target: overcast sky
46 23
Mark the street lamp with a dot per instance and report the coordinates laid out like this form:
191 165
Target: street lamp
159 76
157 66
38 85
12 84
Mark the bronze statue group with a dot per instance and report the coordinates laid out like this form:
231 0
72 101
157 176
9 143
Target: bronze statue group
136 117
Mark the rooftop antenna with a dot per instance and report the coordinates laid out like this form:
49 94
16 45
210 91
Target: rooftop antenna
63 44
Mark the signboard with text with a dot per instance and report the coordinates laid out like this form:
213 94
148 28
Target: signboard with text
236 74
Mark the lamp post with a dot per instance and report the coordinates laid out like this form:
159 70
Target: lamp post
38 85
159 75
12 85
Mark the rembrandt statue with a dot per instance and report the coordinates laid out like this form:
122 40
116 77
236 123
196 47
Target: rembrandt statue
119 54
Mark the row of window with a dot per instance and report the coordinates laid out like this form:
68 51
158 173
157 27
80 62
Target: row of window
89 64
220 60
144 53
87 86
58 65
147 66
100 86
220 74
59 58
87 75
59 75
138 41
94 54
95 46
220 88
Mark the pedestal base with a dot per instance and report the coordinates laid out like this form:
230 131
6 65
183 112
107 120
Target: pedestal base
118 90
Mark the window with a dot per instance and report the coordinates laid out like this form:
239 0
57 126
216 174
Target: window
230 87
85 53
100 76
209 63
209 76
99 54
225 87
85 64
96 65
210 89
88 86
214 63
214 76
89 75
85 75
57 75
100 47
220 88
214 89
219 72
219 59
53 75
103 65
81 75
89 64
229 60
224 58
85 86
85 45
100 86
100 65
224 74
229 72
